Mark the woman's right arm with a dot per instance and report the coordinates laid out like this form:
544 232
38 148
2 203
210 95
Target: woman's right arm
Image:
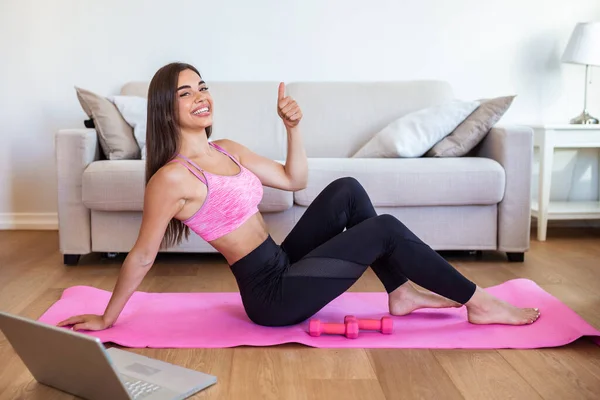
163 199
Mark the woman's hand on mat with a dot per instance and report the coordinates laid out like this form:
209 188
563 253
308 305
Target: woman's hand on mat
89 322
287 108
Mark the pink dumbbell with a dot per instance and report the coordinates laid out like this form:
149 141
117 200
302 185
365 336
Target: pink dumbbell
385 325
349 329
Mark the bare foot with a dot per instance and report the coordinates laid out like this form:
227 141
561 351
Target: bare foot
483 308
407 299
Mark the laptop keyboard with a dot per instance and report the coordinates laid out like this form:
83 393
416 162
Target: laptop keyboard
138 389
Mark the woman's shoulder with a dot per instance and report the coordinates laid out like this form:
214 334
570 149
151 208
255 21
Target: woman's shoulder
230 146
171 175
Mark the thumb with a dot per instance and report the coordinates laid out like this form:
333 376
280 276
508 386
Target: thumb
281 90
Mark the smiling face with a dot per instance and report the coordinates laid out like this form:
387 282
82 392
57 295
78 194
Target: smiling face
194 102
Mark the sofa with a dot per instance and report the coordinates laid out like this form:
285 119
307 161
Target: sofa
476 202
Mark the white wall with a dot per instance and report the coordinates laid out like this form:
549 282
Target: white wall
483 48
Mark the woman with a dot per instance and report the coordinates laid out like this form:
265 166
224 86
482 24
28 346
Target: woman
213 188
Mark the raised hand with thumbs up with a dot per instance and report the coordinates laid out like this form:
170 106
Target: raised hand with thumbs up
287 108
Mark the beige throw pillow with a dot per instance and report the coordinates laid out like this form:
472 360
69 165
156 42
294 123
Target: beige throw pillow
114 133
472 130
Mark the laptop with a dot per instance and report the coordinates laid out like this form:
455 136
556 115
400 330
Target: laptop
79 364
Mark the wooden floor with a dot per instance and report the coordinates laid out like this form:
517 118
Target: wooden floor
567 265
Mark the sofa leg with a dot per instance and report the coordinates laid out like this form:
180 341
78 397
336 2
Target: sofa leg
71 259
477 253
109 255
516 257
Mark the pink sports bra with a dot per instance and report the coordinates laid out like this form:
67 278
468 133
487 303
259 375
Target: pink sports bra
230 199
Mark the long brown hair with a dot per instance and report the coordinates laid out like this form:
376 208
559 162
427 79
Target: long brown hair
163 134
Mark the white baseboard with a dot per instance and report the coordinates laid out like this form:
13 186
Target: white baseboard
28 221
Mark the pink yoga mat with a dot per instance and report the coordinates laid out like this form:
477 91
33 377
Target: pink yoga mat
216 320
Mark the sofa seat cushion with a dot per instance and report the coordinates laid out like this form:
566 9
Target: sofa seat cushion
119 186
411 181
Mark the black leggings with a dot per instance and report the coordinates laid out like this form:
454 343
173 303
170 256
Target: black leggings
334 242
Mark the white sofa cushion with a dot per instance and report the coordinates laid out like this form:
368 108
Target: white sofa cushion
134 111
119 186
413 134
412 181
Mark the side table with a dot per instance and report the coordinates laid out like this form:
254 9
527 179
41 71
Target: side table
547 138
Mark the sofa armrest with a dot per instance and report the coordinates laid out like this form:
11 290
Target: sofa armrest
512 147
75 150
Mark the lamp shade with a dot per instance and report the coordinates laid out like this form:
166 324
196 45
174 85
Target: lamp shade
584 44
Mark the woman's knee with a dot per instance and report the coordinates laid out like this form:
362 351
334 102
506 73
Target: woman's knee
347 183
394 227
389 222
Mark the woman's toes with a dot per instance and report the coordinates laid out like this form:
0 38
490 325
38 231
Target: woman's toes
533 315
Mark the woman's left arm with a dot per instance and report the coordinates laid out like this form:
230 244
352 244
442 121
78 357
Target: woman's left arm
292 175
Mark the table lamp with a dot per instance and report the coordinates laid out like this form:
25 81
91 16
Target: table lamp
584 48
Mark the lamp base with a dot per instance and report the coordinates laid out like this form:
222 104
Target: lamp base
584 118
